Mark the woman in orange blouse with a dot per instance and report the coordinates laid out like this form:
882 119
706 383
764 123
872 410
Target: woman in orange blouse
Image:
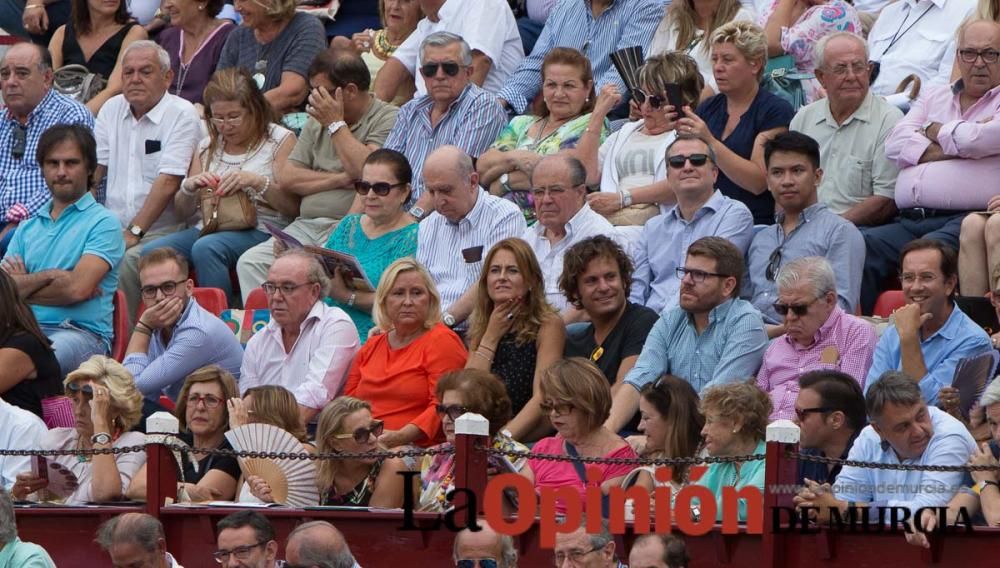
397 371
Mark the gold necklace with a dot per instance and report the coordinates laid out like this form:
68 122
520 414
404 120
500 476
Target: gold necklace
382 47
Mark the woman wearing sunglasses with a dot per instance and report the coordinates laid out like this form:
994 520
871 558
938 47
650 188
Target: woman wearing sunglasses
567 100
203 417
244 152
459 392
106 406
630 164
346 426
377 237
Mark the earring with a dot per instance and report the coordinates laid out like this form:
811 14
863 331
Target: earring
588 100
735 430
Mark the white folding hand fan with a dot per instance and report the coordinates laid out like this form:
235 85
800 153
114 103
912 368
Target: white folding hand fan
292 481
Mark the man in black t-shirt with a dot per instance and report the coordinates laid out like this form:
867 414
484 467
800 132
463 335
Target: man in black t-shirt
596 278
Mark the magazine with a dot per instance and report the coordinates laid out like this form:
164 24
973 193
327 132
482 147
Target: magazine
349 266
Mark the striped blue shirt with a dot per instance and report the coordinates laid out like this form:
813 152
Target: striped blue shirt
626 23
440 243
21 180
472 123
729 350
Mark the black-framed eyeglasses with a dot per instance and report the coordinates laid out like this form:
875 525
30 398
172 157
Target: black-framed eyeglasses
697 160
381 188
574 556
361 435
797 309
450 68
75 388
655 101
698 276
479 563
209 400
452 411
168 288
801 413
240 552
270 287
971 55
560 408
19 141
773 264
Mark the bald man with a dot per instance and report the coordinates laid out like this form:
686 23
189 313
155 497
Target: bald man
484 544
467 222
135 539
658 551
318 543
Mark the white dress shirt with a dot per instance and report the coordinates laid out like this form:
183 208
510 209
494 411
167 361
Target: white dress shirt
161 142
19 430
316 367
488 26
585 224
453 252
924 32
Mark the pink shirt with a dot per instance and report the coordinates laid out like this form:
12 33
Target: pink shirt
563 474
972 135
316 367
785 360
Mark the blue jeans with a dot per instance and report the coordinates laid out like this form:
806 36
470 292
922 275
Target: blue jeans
213 255
74 345
529 30
11 19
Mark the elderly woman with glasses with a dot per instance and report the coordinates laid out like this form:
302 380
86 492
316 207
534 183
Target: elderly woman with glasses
459 392
346 426
106 406
577 398
203 417
244 152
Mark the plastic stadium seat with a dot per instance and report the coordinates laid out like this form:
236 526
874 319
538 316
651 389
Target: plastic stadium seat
165 402
887 302
119 325
257 300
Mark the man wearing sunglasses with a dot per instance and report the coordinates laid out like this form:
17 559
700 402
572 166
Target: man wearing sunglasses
485 548
830 412
818 334
32 107
346 124
804 227
455 111
701 211
317 543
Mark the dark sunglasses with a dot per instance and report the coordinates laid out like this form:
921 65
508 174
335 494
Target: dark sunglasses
431 69
773 264
481 563
697 160
361 435
380 188
801 413
19 142
453 411
655 101
798 309
74 388
561 408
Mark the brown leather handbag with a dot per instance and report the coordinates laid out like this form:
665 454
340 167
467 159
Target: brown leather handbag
234 212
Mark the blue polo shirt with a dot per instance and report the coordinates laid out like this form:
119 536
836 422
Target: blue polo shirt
85 227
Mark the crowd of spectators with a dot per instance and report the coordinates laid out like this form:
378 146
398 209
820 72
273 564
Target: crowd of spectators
468 211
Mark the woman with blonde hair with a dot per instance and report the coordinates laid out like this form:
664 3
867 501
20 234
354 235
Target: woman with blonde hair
106 405
514 332
346 425
244 152
396 371
741 118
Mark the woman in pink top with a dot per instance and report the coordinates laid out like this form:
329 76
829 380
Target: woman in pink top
577 399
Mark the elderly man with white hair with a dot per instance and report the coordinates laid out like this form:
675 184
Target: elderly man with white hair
145 140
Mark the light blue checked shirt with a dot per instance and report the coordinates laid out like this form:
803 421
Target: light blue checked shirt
472 123
21 180
729 350
626 23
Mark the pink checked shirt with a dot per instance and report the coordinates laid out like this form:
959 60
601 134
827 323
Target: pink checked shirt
785 360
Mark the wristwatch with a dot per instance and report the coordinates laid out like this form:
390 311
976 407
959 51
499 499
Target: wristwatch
926 125
335 126
136 230
100 438
417 212
448 319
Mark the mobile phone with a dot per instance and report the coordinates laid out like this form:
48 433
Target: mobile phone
40 467
674 96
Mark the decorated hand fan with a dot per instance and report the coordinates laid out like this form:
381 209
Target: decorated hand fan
627 61
292 481
62 481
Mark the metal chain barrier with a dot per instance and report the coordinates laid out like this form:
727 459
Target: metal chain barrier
625 461
893 466
235 453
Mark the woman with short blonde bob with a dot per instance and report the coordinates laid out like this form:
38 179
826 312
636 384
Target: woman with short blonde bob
577 398
397 371
346 425
515 333
106 405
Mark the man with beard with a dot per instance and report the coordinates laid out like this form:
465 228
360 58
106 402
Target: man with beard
711 338
830 413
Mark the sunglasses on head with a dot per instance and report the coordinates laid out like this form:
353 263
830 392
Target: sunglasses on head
655 101
697 160
74 388
481 563
380 188
361 435
431 69
452 411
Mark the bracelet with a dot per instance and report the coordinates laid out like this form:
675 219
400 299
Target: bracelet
350 301
626 198
144 324
477 353
267 184
145 332
31 6
490 349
